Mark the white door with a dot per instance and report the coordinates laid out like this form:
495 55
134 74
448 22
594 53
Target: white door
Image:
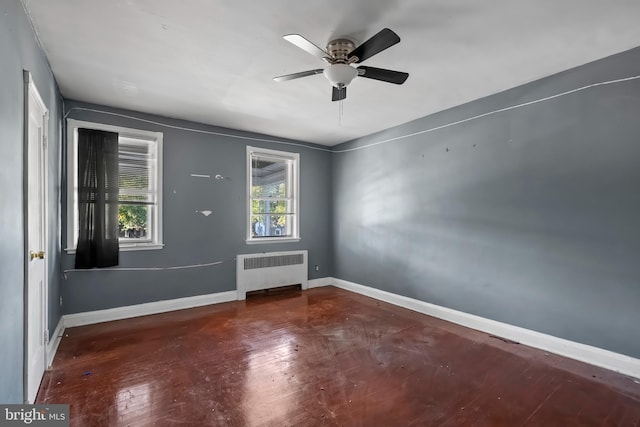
36 280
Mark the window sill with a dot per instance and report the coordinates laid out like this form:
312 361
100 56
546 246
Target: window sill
272 240
128 247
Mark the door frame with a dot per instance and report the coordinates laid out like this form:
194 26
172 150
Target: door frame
30 90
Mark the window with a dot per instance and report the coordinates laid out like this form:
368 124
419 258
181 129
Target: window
140 182
272 196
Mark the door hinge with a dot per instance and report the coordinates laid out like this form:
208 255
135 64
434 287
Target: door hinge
46 337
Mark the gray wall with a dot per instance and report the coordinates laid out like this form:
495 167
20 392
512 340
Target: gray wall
191 238
19 50
529 217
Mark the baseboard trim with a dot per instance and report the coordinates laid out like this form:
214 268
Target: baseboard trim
129 311
54 342
617 362
323 281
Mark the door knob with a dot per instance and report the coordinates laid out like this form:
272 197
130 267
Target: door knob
33 255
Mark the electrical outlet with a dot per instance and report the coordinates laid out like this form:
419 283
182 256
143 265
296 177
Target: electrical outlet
60 301
317 268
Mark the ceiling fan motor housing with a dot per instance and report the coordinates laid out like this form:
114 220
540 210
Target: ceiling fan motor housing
340 73
339 49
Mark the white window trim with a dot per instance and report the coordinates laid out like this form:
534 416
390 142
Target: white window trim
72 168
295 190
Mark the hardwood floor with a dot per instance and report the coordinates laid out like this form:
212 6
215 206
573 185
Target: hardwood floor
323 357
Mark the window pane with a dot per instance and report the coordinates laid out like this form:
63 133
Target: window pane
273 192
269 177
271 225
140 185
133 222
136 162
270 206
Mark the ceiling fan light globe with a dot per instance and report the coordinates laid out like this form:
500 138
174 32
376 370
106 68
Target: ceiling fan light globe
340 75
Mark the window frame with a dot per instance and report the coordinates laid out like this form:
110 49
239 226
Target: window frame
72 176
295 191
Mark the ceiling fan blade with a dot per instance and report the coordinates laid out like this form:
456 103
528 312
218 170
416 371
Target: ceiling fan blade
338 94
389 76
306 45
298 75
376 44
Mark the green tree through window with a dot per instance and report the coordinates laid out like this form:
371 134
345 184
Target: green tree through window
132 221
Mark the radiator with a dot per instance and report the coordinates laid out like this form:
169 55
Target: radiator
256 272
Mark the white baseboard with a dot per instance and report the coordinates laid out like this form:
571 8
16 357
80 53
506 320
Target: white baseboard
54 342
129 311
323 281
585 353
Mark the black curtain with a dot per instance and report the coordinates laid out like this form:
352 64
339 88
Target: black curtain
97 199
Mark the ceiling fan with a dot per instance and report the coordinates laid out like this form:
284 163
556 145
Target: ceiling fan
340 54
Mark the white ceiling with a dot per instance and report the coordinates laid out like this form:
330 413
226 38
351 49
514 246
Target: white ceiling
212 61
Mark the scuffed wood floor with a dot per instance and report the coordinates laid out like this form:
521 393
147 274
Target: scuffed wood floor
323 357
